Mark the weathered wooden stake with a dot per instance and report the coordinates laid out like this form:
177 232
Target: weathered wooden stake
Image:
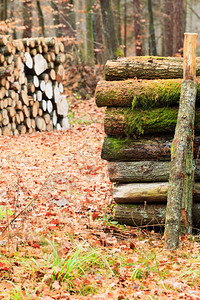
181 175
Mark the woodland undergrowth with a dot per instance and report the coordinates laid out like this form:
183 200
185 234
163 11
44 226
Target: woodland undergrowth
58 237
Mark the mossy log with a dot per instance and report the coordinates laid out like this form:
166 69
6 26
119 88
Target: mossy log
145 148
140 93
146 67
136 122
146 192
142 171
149 214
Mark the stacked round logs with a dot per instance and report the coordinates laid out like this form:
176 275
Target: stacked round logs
142 96
31 90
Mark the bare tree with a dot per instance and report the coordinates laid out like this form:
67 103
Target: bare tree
152 30
137 27
27 16
168 26
178 31
111 49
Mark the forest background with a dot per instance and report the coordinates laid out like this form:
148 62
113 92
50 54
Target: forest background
97 30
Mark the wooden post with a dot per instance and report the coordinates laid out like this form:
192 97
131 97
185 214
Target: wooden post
181 151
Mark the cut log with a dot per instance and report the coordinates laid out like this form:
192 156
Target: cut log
140 93
6 131
40 64
49 90
49 106
40 124
143 171
65 123
39 95
28 60
44 105
47 118
60 73
146 192
21 129
145 67
5 71
148 214
54 118
62 106
146 148
50 126
60 58
125 121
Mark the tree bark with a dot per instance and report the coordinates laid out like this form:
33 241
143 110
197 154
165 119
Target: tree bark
146 192
153 50
145 148
146 67
27 16
180 149
89 34
137 27
140 93
178 30
127 122
41 19
148 214
111 44
168 26
142 171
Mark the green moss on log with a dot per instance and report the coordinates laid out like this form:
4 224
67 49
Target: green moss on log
125 121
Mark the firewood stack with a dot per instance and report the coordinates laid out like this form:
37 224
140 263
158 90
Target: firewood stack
31 90
142 96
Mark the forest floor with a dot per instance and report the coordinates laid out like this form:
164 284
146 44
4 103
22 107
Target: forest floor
58 240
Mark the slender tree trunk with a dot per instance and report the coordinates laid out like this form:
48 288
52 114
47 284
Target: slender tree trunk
111 48
181 149
4 4
27 16
137 27
125 27
67 18
178 26
98 36
89 32
118 19
168 27
41 18
152 30
56 18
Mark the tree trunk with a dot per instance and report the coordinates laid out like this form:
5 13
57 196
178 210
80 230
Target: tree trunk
137 122
146 68
89 34
153 50
168 26
146 192
137 27
111 44
56 17
178 31
146 148
27 16
98 36
41 19
180 149
148 214
118 19
142 93
142 171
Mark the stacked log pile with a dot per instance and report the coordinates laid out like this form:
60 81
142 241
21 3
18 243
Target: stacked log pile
31 90
142 96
